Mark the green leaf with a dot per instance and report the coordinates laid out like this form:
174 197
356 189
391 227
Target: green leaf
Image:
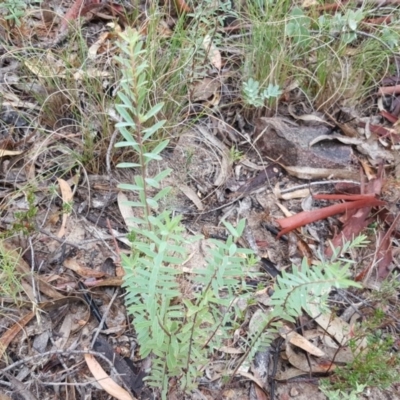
152 203
162 193
233 231
160 147
151 156
130 186
153 111
128 165
126 134
152 182
148 132
127 103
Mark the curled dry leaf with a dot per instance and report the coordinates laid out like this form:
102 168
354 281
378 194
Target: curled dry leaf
67 196
369 147
10 333
94 48
20 388
191 194
300 341
73 265
288 373
213 53
110 386
226 161
308 364
47 65
340 330
230 350
320 173
126 210
4 153
205 89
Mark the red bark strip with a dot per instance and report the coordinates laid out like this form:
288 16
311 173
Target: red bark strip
306 217
390 117
389 90
72 14
350 197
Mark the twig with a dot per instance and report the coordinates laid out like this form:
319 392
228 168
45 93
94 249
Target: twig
117 251
108 154
305 186
60 240
83 242
52 353
35 295
100 327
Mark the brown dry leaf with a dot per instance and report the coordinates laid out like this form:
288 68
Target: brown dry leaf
94 48
163 30
226 161
115 281
369 147
91 73
335 326
308 364
110 386
205 89
230 350
307 117
4 153
126 210
47 289
191 194
213 53
309 3
63 333
72 14
300 341
15 101
10 333
319 173
333 352
288 373
67 196
20 388
250 376
46 66
73 265
23 268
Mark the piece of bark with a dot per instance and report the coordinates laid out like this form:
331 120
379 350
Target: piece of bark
290 145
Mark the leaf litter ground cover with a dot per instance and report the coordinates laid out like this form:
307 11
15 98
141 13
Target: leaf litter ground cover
284 115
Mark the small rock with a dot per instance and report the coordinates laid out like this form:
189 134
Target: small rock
294 392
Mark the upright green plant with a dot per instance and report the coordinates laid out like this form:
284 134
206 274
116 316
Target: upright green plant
180 332
14 11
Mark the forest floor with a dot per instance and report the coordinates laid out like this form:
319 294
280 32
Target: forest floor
283 113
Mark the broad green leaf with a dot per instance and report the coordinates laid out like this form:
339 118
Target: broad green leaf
153 111
128 165
148 132
161 146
